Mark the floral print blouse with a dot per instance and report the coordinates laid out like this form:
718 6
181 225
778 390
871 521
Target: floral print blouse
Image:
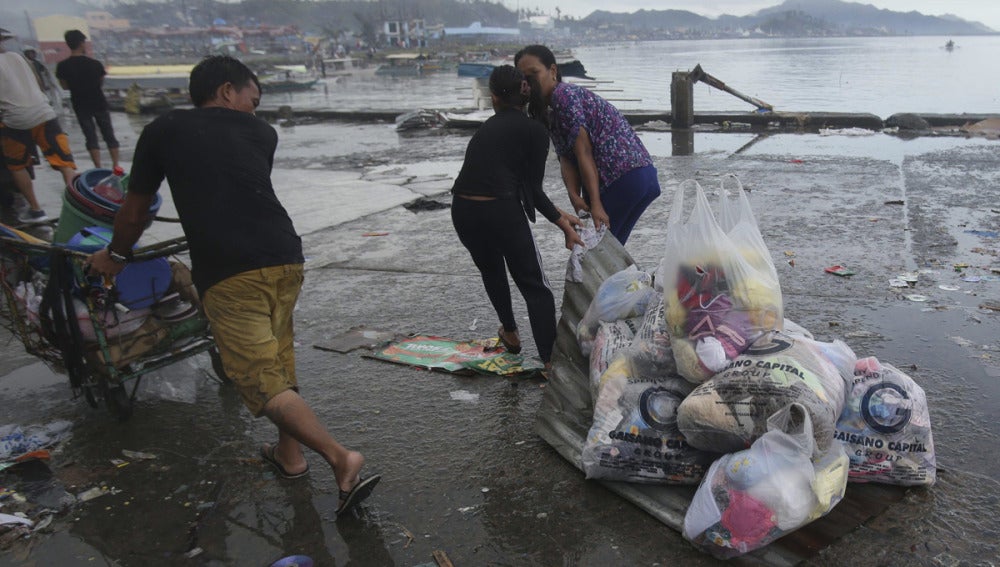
616 147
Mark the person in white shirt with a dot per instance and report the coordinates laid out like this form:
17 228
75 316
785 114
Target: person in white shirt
28 121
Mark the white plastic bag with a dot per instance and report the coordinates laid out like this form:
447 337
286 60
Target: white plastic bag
611 338
720 285
634 437
886 427
623 295
750 498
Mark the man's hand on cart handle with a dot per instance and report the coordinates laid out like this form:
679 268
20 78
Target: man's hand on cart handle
100 264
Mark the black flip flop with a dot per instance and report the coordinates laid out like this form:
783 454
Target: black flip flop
511 347
267 454
363 489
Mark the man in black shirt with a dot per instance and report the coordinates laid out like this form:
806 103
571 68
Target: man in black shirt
246 257
83 77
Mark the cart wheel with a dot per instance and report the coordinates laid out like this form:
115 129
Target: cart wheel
220 370
119 403
88 394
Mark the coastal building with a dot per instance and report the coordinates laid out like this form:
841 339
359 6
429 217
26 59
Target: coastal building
477 31
103 21
49 32
405 33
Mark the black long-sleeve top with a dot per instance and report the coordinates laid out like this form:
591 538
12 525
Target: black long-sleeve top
506 159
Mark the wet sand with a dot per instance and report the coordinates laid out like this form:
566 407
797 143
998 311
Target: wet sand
472 478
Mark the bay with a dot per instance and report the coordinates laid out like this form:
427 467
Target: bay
882 76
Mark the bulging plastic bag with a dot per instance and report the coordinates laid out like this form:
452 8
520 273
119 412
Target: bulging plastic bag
886 427
752 497
652 340
634 437
611 338
729 411
720 285
623 295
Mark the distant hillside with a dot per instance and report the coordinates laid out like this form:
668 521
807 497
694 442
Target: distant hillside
856 16
648 19
795 17
791 18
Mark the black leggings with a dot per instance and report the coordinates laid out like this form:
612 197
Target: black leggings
497 231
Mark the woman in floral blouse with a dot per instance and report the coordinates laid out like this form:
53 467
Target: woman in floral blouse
605 167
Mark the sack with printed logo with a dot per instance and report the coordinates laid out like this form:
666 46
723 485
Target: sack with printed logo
886 427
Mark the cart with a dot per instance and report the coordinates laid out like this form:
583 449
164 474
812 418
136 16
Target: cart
85 326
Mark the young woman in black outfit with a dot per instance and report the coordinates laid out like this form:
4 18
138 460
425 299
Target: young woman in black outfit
495 195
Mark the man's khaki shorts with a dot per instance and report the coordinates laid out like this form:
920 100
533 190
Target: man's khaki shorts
251 319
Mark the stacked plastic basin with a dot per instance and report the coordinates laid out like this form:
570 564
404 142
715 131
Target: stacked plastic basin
93 199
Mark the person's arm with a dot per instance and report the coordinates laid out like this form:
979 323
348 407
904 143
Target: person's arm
590 180
61 75
571 179
130 221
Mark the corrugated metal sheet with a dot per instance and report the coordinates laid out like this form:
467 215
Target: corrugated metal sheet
566 414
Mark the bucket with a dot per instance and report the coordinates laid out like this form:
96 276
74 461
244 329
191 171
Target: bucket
72 220
84 206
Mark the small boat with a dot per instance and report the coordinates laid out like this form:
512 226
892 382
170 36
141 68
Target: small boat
475 70
287 85
950 45
345 66
572 68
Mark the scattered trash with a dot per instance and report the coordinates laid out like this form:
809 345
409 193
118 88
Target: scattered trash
138 455
960 266
909 277
43 523
293 561
464 396
789 253
541 515
839 271
990 305
975 279
463 357
196 552
6 519
92 493
897 282
375 234
425 204
472 327
984 233
895 202
949 287
467 509
484 490
916 297
441 558
795 161
17 441
119 463
355 338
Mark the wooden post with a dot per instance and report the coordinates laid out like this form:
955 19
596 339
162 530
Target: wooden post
681 100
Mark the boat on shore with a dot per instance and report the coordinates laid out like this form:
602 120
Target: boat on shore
287 85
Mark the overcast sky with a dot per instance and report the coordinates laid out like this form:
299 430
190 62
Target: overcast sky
985 11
